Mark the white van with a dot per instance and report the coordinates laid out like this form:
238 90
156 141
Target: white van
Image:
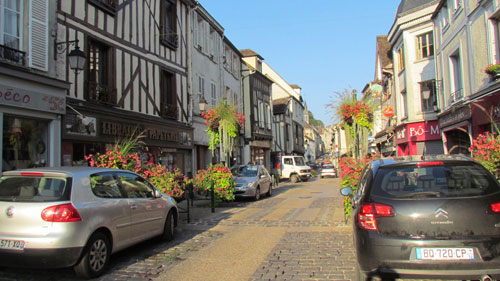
294 168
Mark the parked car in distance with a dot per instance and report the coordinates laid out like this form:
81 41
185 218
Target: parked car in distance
314 166
328 170
252 181
425 217
293 168
78 216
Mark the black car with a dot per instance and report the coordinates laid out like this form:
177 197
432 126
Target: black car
427 217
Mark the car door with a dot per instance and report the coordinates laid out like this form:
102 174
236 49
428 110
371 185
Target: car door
264 179
147 213
113 206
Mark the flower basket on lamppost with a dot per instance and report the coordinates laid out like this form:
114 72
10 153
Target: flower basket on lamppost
493 70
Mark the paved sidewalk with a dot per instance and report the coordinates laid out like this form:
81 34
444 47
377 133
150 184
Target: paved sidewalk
249 239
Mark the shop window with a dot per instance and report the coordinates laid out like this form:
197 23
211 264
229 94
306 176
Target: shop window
100 73
168 26
24 143
168 101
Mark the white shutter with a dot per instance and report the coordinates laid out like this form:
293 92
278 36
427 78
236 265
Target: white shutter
38 34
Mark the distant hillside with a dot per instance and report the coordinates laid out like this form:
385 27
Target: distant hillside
314 122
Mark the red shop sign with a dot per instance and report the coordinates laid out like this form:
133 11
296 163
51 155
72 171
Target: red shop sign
420 131
388 112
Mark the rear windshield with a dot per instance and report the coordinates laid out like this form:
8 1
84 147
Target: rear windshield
448 180
327 166
33 189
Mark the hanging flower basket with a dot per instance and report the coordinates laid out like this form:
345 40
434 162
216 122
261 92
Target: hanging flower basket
223 123
493 70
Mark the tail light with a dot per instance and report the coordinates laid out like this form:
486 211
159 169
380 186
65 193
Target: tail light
495 207
61 213
370 211
321 170
431 163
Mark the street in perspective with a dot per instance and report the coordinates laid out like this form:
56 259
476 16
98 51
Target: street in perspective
249 140
298 233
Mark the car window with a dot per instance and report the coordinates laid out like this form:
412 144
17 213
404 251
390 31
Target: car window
448 180
288 161
135 186
33 188
249 171
328 167
299 161
105 185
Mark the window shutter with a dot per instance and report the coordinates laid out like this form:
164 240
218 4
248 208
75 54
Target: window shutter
38 34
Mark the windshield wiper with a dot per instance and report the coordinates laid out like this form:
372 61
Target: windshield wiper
421 194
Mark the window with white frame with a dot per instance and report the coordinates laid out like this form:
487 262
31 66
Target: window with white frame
212 42
11 23
401 59
201 85
213 91
428 95
456 92
425 45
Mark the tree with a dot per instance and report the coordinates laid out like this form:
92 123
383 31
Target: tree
315 122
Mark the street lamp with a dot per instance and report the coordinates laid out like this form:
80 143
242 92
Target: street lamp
202 103
76 57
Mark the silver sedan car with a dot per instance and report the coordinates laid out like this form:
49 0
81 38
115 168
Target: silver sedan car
78 216
252 181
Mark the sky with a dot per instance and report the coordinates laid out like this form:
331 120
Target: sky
324 46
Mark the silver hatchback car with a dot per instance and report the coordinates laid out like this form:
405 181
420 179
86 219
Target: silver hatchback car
78 216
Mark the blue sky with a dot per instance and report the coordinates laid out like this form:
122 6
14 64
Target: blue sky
324 46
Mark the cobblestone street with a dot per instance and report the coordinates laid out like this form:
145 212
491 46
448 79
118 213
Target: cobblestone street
299 235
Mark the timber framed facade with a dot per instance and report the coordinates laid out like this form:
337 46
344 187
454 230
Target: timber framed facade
135 79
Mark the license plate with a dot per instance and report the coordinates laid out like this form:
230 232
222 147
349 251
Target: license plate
11 244
445 253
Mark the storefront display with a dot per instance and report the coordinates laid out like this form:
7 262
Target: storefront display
419 138
24 143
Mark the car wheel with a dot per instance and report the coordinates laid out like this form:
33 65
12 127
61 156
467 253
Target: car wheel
294 178
321 176
270 191
95 257
257 194
169 228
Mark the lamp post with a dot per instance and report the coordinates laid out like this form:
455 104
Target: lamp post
76 57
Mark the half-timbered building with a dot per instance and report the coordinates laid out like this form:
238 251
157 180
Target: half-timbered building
135 79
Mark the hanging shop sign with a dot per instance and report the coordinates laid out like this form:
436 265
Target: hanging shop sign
388 111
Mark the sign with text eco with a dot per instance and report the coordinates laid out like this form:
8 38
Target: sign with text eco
32 100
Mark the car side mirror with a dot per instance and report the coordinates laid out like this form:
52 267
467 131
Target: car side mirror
346 191
157 193
262 176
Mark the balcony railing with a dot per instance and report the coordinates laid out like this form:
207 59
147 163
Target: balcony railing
170 111
12 55
456 96
102 94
